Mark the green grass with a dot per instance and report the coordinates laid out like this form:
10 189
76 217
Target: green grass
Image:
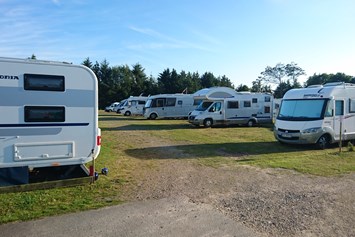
132 146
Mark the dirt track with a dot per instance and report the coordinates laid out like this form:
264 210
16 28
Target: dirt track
272 202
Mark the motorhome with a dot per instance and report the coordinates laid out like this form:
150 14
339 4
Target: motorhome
112 107
170 106
225 106
133 106
320 114
49 120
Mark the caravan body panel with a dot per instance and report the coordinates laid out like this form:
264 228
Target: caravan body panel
49 114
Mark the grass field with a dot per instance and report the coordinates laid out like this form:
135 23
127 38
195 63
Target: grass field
133 143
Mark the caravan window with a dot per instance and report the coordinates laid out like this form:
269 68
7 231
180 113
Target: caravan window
179 102
171 101
43 82
254 100
141 102
232 105
247 104
351 105
267 98
267 109
44 114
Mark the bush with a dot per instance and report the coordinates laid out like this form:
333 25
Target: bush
350 146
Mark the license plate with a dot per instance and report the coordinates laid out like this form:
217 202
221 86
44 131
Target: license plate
287 135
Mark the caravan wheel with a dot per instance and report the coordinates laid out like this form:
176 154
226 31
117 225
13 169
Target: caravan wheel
251 123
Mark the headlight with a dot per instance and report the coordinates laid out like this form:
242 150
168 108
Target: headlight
312 130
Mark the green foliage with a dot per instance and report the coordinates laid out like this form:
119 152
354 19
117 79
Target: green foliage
320 79
119 82
284 76
350 146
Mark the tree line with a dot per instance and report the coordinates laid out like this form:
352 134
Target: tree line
119 82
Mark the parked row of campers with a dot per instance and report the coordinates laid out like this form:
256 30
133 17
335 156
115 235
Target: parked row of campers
48 120
225 106
320 114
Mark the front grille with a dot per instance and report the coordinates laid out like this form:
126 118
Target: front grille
288 131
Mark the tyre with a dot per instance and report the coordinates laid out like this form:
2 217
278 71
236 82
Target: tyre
153 116
250 123
208 123
127 113
323 142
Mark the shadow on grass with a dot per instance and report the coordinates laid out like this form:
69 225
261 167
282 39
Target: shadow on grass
234 150
146 127
103 118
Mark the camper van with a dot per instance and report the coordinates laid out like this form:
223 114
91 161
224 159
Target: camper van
49 119
133 106
170 106
112 107
225 106
321 115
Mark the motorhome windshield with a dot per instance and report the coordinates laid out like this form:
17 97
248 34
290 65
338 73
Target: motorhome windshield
148 104
204 105
302 110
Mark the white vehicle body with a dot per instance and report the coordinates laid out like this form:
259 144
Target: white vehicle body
49 114
170 106
225 106
133 106
113 107
317 115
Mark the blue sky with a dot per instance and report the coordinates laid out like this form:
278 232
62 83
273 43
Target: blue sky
235 38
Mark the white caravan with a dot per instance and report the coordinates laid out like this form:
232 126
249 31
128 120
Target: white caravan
319 115
225 106
170 106
48 119
133 106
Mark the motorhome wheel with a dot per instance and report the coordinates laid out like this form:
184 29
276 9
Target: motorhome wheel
323 142
127 113
208 123
153 116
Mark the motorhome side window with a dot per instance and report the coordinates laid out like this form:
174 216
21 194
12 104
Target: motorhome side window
43 82
267 98
247 104
170 101
160 103
255 100
233 105
351 105
141 102
44 114
339 107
